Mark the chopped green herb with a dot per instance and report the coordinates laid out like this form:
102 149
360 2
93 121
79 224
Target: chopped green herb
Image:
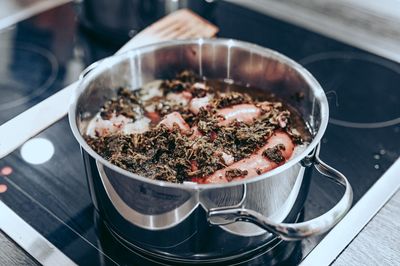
275 153
173 155
233 173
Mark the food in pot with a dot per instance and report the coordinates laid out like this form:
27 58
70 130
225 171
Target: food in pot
188 129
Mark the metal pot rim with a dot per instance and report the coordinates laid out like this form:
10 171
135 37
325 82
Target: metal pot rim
308 78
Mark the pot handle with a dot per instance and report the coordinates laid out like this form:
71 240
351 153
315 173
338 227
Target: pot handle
293 231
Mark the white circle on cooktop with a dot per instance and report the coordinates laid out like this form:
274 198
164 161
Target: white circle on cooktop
37 150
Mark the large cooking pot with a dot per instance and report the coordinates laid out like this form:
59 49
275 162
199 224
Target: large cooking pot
207 222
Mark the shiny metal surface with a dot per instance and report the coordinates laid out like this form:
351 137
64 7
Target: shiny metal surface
214 59
156 211
293 231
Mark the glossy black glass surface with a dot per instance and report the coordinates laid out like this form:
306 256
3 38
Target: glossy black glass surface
53 197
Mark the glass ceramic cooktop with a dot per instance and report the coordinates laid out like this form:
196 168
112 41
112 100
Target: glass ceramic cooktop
44 180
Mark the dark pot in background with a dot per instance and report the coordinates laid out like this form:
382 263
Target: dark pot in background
118 20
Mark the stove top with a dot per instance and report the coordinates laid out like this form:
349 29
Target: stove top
44 180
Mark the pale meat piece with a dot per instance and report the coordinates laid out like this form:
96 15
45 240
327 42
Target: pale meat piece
99 127
137 127
228 159
256 164
182 98
197 103
241 112
151 90
175 118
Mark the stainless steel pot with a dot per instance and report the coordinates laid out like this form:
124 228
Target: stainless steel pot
188 222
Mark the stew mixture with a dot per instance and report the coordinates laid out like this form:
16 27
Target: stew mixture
188 129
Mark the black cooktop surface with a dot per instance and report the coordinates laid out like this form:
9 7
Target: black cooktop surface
44 180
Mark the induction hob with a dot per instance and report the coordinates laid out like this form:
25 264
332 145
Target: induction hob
44 182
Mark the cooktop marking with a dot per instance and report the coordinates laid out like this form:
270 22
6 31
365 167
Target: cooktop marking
3 188
6 170
37 150
362 89
26 73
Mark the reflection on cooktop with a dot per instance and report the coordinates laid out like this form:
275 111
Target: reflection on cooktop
278 252
362 89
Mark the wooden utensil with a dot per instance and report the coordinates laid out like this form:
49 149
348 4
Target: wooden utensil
181 24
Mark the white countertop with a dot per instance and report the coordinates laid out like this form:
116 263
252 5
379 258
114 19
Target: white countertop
369 25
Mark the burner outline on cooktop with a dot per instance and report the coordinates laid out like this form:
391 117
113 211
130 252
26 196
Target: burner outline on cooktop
44 86
335 55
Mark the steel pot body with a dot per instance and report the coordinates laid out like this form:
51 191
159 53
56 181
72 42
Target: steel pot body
206 222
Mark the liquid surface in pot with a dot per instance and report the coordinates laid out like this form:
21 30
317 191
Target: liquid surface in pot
188 129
